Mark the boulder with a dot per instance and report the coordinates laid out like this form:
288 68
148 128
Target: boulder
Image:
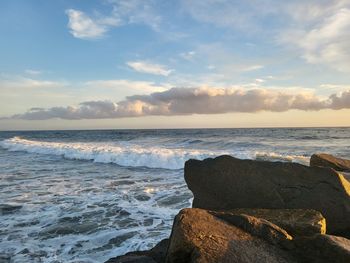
199 236
132 257
297 222
323 249
327 160
225 183
257 227
154 255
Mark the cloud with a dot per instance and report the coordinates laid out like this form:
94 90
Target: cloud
260 81
188 55
318 30
84 27
32 72
12 83
130 85
186 101
335 87
325 43
123 12
252 68
149 68
253 14
137 12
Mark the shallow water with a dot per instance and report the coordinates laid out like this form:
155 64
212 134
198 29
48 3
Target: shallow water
86 196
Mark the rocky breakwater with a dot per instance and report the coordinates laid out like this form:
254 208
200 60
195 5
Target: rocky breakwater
257 211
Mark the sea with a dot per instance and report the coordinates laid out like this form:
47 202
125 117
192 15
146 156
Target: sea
90 195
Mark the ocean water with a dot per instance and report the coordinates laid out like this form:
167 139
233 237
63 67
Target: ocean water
86 196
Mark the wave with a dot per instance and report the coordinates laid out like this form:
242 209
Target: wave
132 155
271 156
123 154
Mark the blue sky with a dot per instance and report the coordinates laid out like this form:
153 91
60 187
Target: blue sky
186 63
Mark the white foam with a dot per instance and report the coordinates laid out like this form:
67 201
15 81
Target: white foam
272 156
122 154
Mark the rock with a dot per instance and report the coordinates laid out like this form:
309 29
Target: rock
297 222
327 160
346 175
132 257
226 183
323 249
257 227
154 255
199 236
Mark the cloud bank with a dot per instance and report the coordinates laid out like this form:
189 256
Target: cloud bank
187 101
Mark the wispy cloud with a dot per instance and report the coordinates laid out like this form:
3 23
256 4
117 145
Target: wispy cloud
33 72
186 101
135 86
327 42
318 30
137 12
123 12
149 68
252 14
188 55
20 82
84 27
251 67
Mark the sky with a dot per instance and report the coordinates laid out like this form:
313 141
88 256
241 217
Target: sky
100 64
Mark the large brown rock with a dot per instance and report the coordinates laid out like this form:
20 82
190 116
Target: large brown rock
198 236
323 249
226 183
155 255
327 160
297 222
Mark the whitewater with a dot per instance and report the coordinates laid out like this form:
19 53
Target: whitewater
86 196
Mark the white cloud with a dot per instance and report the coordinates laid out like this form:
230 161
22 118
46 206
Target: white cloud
250 15
84 27
327 42
149 68
123 12
188 55
13 83
259 81
32 72
337 88
251 67
318 29
137 12
186 101
143 86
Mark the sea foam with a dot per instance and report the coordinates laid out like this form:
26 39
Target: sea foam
136 155
121 154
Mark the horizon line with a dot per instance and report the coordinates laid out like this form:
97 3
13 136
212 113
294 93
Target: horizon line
207 128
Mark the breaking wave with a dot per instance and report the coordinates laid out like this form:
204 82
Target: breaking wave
122 154
133 155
